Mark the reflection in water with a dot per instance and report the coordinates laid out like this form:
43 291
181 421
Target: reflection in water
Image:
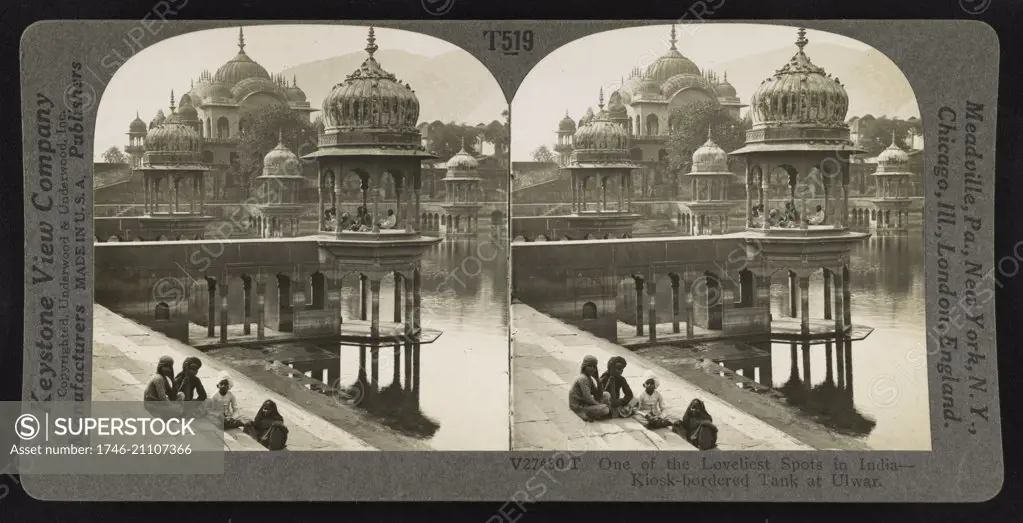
885 401
453 391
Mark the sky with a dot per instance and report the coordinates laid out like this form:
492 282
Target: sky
144 82
570 77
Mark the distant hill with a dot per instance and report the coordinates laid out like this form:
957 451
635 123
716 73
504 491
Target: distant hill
453 86
875 84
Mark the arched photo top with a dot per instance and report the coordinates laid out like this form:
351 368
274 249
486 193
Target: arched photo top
642 74
290 64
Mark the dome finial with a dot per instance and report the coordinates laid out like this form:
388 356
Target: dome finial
172 101
600 102
371 43
893 137
241 41
673 39
802 41
280 136
709 139
294 80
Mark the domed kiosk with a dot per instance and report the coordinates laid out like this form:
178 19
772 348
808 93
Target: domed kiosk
173 180
800 141
370 132
462 194
279 211
599 161
710 178
891 204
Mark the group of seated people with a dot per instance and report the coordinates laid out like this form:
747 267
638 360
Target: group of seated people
786 217
168 395
595 397
362 222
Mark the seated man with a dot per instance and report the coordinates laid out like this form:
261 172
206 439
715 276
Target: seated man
818 217
390 221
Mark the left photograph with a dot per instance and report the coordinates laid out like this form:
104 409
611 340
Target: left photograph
301 230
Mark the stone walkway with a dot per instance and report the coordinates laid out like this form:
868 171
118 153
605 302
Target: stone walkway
546 358
124 359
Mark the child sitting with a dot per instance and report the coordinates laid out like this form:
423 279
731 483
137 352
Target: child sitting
650 407
222 404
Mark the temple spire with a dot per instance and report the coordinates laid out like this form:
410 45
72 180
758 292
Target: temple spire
172 101
241 41
673 39
801 41
371 43
600 102
893 138
280 136
294 80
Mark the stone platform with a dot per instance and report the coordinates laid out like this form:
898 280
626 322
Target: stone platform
124 359
353 332
546 358
782 330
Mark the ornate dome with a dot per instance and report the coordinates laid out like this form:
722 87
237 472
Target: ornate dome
250 86
217 92
462 161
371 97
173 136
294 93
240 67
615 108
600 134
800 93
567 124
709 158
893 159
725 89
281 162
671 64
685 81
158 119
137 125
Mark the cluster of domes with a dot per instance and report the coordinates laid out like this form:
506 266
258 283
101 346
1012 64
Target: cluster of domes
371 98
280 162
172 135
600 133
241 76
800 93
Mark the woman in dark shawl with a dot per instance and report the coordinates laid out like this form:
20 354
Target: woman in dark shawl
268 427
612 381
697 426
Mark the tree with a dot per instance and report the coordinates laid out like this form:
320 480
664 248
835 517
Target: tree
114 155
261 127
689 132
544 155
875 134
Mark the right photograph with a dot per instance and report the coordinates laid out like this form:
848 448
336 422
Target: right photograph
718 244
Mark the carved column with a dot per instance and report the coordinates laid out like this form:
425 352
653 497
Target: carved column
639 307
260 309
223 309
397 296
804 293
846 296
839 302
827 294
374 285
793 295
749 196
652 294
674 305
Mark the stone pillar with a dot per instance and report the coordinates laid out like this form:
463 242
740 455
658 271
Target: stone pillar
409 306
652 293
846 296
807 380
804 293
211 316
322 207
417 188
793 295
176 181
639 307
674 306
764 194
374 285
247 305
827 294
260 309
363 297
829 376
374 369
839 302
575 194
223 310
417 305
603 194
397 296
